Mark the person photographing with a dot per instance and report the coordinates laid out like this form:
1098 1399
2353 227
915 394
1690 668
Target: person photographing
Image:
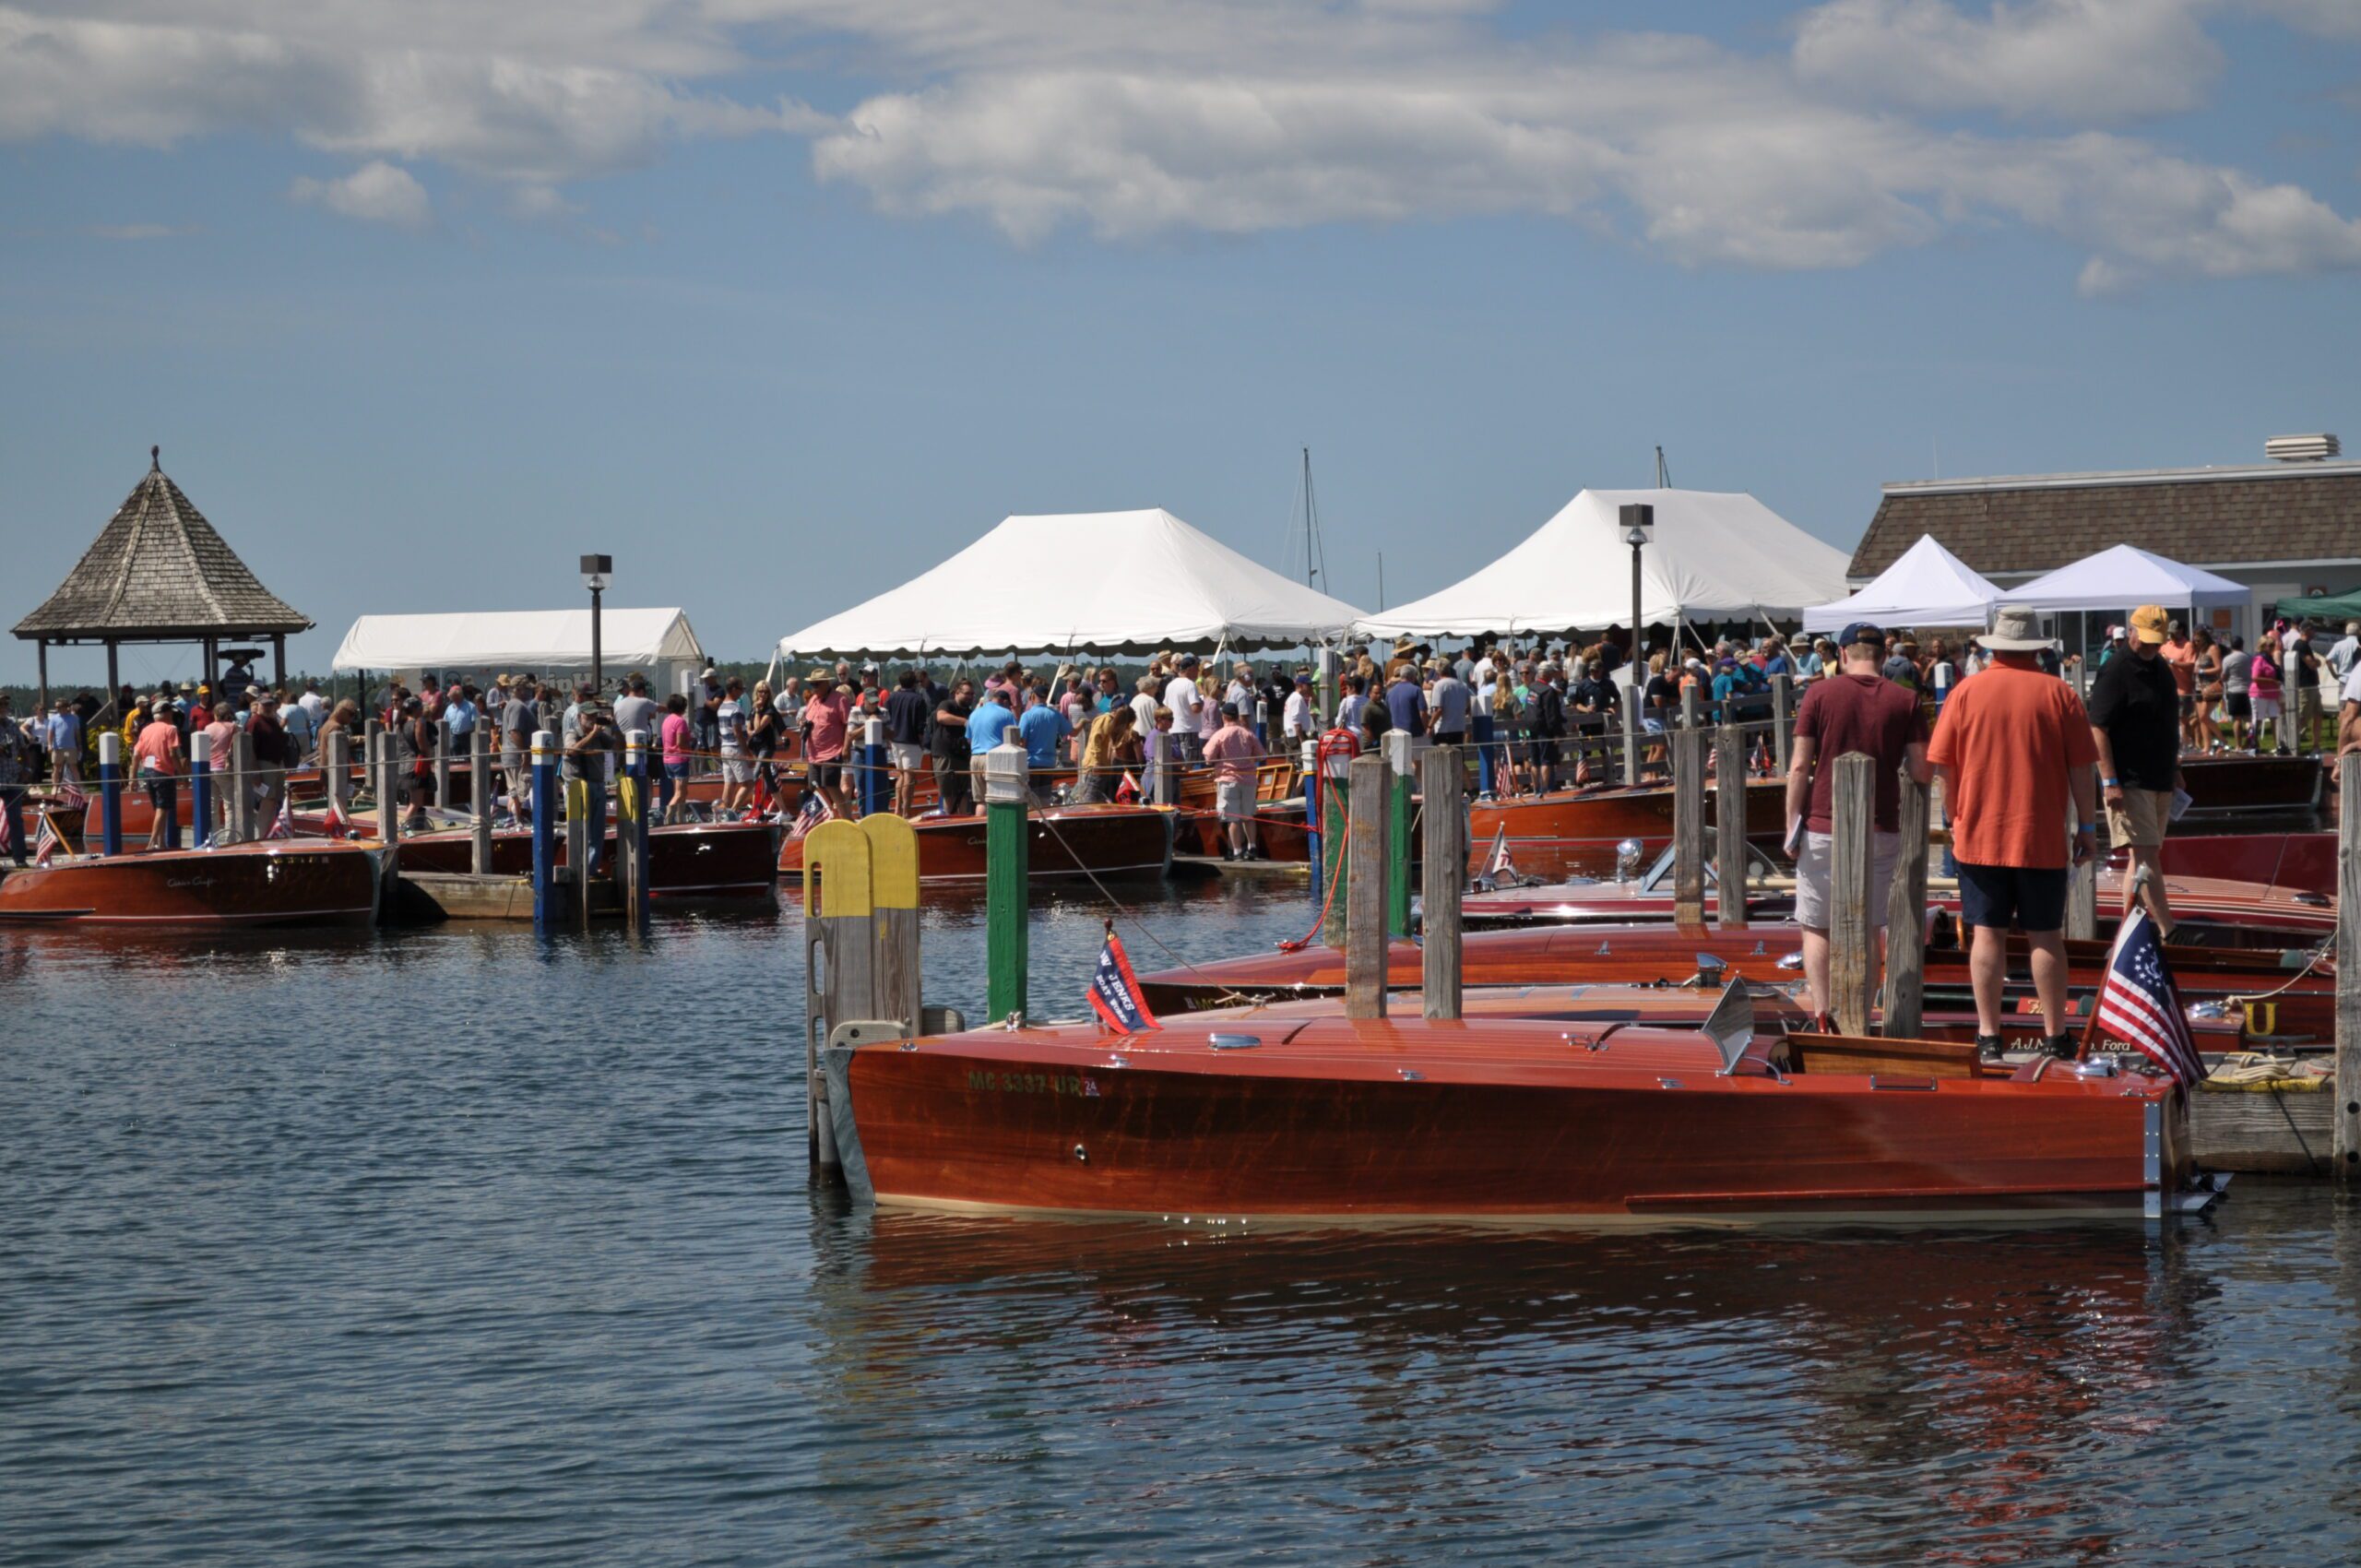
2135 723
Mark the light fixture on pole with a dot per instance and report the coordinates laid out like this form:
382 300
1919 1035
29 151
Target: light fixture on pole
1638 520
597 571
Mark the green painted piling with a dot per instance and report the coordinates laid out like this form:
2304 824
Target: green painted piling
1006 792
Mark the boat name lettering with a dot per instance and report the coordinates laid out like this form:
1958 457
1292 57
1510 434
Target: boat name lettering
1071 1084
188 882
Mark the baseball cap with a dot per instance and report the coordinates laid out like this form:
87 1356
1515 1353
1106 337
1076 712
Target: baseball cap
1861 632
1303 680
2148 624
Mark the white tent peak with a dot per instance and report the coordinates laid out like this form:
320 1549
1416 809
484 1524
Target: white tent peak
2124 576
1109 582
1926 585
1714 553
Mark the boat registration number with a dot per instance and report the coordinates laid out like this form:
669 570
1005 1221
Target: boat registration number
1071 1084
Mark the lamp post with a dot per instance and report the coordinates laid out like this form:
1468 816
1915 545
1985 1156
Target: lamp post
1638 520
597 571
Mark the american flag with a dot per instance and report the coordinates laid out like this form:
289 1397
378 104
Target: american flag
45 842
813 812
69 793
2140 1005
283 825
1115 991
335 822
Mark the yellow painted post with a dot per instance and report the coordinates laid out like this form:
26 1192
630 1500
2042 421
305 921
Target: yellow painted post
837 964
894 918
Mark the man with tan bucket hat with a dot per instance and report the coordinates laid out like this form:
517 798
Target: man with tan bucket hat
2135 706
2013 746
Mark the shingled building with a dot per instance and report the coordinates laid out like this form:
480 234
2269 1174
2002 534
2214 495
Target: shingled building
2286 530
159 573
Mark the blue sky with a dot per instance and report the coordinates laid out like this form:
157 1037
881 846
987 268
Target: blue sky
780 301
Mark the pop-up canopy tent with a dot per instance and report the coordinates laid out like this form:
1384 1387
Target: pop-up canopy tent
1713 555
1142 581
2124 576
658 643
2333 612
1926 585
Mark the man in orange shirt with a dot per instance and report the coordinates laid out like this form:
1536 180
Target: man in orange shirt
156 761
2013 746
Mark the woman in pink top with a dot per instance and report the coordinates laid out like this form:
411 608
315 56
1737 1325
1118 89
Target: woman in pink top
673 740
2262 677
828 719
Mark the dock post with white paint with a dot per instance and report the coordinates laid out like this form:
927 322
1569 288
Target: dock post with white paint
109 796
548 913
200 790
1007 797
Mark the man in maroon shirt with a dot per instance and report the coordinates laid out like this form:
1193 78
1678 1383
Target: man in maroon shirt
1857 710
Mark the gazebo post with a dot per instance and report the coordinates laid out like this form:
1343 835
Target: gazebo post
278 659
40 656
212 662
114 685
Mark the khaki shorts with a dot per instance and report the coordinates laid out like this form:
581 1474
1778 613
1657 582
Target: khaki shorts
2141 820
906 757
1815 874
1234 798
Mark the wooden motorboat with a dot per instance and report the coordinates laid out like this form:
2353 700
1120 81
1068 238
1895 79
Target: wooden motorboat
2211 913
1279 832
704 863
1578 830
280 882
2299 863
2227 788
2287 996
1062 841
1267 1114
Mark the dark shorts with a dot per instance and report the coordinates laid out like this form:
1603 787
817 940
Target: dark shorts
2005 895
2238 705
162 789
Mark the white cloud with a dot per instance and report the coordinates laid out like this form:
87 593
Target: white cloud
1235 117
2076 61
376 192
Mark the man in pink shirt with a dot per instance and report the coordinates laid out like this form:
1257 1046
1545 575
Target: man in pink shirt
156 761
827 721
1233 751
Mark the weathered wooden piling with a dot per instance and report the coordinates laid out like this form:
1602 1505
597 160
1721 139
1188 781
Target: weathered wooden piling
1905 926
1783 720
2347 1155
334 779
389 821
838 960
1688 829
1851 955
1632 698
1729 826
1690 714
2082 885
242 778
1442 785
443 763
1367 936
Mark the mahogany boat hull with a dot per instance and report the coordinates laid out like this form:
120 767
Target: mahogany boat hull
2247 981
1279 832
717 862
2227 788
1487 1120
279 882
2301 862
1061 842
1578 831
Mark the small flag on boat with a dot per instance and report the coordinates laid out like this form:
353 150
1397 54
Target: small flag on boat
758 808
335 822
69 793
1497 863
1128 793
9 828
815 811
2140 1003
283 825
1115 991
45 842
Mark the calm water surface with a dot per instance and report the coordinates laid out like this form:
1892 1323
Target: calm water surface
458 1246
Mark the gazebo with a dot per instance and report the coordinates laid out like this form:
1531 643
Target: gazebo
159 573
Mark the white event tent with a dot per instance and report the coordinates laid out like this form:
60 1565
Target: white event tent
1107 582
1926 585
2124 576
1713 555
658 643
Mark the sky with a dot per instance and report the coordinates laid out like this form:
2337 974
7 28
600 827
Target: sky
780 302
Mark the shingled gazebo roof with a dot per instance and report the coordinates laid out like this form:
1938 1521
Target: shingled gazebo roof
159 572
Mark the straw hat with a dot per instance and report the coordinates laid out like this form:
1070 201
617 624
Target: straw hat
2014 631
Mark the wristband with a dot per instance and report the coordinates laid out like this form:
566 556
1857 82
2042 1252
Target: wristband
2087 830
2109 783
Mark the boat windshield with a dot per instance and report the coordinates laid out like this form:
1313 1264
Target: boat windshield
1659 877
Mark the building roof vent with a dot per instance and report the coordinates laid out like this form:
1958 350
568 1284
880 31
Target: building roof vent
2301 448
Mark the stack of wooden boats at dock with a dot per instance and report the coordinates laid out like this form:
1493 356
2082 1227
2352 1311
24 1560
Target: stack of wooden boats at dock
1586 1052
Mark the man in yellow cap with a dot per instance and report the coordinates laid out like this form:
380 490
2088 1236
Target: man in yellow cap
2135 718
